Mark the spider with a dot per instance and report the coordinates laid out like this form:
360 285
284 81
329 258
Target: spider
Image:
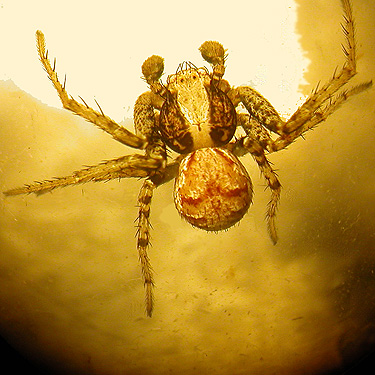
194 114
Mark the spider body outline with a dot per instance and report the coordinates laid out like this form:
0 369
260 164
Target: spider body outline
197 118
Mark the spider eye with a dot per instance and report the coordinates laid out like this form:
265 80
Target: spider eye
182 80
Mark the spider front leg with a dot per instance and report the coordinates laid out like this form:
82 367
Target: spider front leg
349 70
322 102
317 107
316 117
99 119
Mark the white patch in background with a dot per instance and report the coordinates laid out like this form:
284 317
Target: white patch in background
101 46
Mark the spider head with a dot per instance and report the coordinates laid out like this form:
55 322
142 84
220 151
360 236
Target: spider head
196 113
213 190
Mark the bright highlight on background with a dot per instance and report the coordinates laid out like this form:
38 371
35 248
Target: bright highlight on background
101 46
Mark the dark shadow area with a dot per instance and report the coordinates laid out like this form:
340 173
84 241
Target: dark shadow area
13 362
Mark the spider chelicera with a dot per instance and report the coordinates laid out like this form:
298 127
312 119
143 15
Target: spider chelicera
194 114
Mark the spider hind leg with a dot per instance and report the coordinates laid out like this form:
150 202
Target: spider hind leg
143 241
255 148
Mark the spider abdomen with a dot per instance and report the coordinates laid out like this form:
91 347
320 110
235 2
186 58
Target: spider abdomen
213 190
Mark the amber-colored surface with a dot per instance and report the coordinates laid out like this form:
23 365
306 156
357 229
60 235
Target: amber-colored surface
71 295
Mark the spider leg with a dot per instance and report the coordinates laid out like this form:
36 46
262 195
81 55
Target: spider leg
145 122
144 226
318 97
257 151
316 108
255 130
99 119
255 103
258 107
337 81
321 103
318 116
126 166
143 241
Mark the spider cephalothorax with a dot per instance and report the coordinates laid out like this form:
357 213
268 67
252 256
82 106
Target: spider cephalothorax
195 115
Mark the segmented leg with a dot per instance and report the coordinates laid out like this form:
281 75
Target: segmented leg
258 107
317 107
256 104
321 103
126 166
145 121
255 130
315 101
99 119
143 241
320 115
144 108
144 114
257 151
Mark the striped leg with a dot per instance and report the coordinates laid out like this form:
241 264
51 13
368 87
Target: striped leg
274 184
126 166
99 119
317 107
143 241
322 102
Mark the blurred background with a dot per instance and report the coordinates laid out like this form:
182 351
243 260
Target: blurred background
71 296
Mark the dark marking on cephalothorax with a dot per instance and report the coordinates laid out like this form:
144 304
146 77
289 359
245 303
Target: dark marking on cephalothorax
202 116
174 128
222 117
